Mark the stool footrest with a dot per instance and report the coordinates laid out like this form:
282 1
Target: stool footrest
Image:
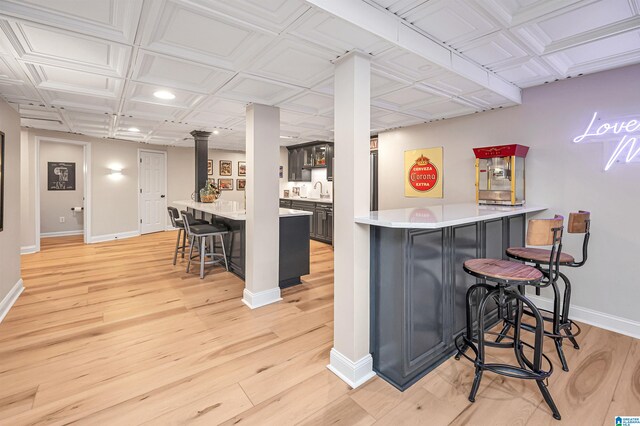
564 326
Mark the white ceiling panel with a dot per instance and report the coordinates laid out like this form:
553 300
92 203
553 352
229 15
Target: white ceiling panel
617 50
443 109
382 82
160 70
65 80
405 98
145 93
45 124
310 103
223 106
494 50
405 64
191 33
46 45
270 15
250 88
152 111
451 84
212 119
79 102
112 19
532 72
450 21
333 33
487 99
296 62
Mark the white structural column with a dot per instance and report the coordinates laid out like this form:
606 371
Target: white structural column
350 357
263 222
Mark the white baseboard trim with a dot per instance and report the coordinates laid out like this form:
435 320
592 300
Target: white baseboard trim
10 299
28 249
256 300
598 319
61 233
355 374
111 237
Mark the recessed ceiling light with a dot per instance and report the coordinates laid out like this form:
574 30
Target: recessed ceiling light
133 129
164 94
215 132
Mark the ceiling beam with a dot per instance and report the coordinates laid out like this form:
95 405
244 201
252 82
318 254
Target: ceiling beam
393 29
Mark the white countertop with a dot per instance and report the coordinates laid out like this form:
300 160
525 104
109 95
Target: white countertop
310 200
442 216
231 209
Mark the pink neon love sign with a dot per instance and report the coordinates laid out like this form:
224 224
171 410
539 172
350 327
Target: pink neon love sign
626 128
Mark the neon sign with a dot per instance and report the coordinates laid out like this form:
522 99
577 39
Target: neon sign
626 128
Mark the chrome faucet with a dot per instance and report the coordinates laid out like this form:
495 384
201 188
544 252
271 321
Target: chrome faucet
316 184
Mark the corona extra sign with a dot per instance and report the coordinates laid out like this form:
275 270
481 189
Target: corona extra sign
423 173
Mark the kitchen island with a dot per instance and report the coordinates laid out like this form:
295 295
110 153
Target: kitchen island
418 286
294 237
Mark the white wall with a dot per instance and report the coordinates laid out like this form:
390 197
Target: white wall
57 204
560 175
10 236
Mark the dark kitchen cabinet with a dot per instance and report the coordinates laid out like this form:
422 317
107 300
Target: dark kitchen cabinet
297 172
305 157
330 162
321 224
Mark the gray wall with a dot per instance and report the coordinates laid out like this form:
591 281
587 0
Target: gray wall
114 201
561 175
10 236
182 169
57 204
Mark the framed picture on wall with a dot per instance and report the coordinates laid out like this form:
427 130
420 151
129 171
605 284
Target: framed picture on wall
226 168
1 181
61 176
241 184
225 184
209 167
242 168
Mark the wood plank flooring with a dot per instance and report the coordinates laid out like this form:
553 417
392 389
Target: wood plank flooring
114 334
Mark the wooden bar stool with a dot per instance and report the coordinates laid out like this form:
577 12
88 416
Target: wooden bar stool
578 224
510 278
198 236
177 223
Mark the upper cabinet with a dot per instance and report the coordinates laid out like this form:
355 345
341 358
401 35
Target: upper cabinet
312 155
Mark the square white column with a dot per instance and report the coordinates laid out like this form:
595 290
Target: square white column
350 357
263 206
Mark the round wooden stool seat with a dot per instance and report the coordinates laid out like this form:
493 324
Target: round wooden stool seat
503 270
537 255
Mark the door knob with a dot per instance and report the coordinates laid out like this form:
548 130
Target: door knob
162 196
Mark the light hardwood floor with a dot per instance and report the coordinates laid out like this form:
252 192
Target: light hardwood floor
113 334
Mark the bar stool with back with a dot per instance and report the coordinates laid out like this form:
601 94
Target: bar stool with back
177 223
198 235
510 279
579 223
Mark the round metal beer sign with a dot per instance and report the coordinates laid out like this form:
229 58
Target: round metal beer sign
423 175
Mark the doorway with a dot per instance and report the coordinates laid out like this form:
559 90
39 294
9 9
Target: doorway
152 190
63 189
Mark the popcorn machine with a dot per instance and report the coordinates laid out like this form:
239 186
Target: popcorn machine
500 174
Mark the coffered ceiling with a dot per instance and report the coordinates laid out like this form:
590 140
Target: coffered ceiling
92 67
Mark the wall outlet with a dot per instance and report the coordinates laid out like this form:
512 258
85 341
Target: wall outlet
61 219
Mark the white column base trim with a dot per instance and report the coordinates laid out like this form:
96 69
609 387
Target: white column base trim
111 237
28 250
10 299
256 300
598 319
353 373
61 233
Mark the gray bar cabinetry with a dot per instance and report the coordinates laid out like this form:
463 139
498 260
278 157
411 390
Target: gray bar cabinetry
418 290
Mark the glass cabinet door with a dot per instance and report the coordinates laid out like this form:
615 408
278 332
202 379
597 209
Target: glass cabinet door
308 156
320 156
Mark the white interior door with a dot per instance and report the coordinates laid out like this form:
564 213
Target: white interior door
153 202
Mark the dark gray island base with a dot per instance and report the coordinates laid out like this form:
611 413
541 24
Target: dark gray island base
418 286
294 247
294 237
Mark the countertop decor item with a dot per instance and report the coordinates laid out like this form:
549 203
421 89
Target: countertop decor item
210 192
